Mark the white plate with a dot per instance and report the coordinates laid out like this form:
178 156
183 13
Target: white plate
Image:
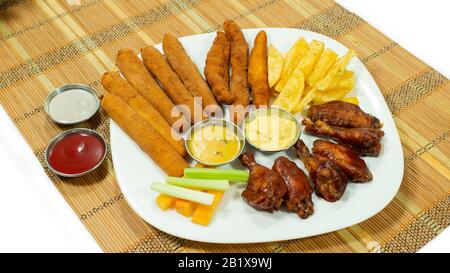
235 221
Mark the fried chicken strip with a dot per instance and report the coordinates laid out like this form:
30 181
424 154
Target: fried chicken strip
239 67
365 141
155 62
188 72
343 114
138 76
217 69
347 159
117 85
257 71
148 139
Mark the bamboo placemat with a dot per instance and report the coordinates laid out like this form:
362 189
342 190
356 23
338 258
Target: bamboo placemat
45 44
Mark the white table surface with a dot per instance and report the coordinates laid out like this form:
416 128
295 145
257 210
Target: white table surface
36 218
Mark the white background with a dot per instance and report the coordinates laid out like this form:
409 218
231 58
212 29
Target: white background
36 218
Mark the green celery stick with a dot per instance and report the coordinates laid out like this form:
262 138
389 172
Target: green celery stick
183 193
205 173
201 184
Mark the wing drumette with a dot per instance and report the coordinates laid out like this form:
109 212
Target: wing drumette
265 188
298 197
328 179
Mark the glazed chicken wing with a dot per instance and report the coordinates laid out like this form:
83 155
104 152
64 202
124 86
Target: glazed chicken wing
298 197
343 114
365 141
328 179
347 159
265 189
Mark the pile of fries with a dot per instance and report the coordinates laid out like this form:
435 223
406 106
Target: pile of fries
309 73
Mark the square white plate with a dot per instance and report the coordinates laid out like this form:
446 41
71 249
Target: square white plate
235 221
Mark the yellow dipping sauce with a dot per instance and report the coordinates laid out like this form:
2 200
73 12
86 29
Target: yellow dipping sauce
270 130
213 144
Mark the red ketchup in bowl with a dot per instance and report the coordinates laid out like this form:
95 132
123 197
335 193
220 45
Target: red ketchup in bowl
77 153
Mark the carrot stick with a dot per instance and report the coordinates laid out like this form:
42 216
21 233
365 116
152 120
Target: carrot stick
204 213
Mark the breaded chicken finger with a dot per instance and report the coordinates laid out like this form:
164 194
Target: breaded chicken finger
148 139
155 62
239 66
187 71
257 71
117 85
138 76
217 69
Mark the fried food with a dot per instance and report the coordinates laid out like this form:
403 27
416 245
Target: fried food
292 92
309 61
343 114
275 64
265 188
155 62
347 159
115 84
299 191
293 57
138 76
335 73
257 71
239 66
325 62
148 139
217 69
187 71
365 141
328 179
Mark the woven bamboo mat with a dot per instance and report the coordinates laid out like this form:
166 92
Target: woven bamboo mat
45 44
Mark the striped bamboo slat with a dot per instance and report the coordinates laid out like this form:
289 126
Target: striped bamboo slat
45 44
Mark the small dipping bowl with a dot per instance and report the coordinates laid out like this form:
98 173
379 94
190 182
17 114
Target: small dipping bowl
71 104
263 135
200 146
75 152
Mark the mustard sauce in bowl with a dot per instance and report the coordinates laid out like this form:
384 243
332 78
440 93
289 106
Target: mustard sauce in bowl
214 142
271 129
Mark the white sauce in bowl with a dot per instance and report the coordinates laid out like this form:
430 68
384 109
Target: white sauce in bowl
73 106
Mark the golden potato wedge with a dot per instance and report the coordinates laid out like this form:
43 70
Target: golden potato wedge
292 92
330 95
293 57
347 81
275 65
305 100
307 64
335 72
326 61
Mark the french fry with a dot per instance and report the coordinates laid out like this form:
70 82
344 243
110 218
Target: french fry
293 57
335 72
330 95
275 65
347 81
307 64
305 101
292 91
326 61
353 100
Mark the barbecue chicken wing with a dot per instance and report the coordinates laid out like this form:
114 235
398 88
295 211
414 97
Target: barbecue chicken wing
343 114
298 197
265 189
328 179
365 141
347 159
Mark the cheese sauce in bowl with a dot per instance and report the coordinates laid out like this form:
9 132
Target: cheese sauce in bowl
271 129
214 142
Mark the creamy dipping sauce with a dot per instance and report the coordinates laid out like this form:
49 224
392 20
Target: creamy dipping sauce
271 131
73 106
213 144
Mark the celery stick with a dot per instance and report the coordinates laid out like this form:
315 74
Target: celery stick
204 173
201 184
183 193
